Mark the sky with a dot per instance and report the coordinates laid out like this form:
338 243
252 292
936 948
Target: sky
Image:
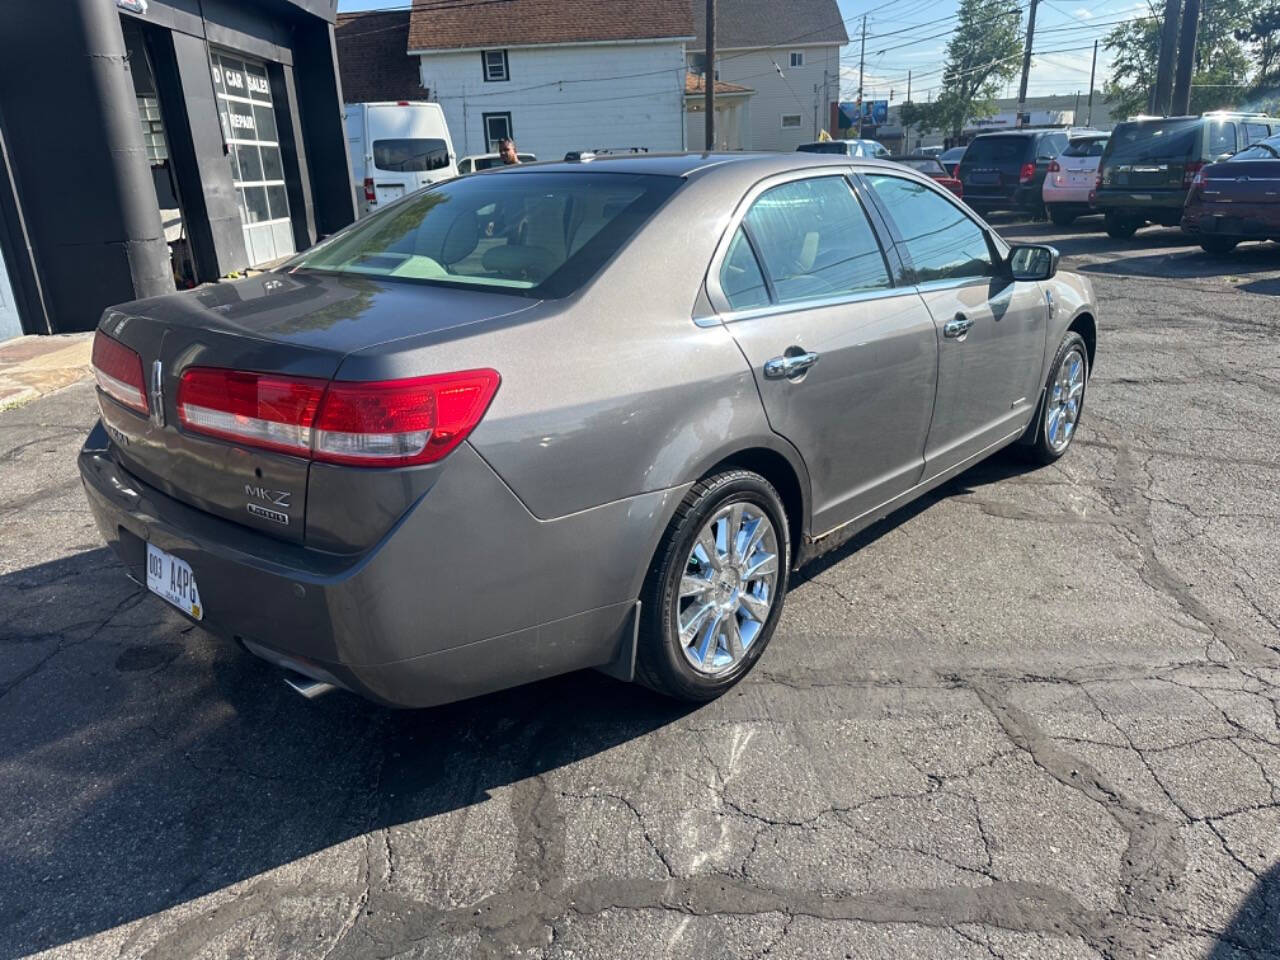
902 36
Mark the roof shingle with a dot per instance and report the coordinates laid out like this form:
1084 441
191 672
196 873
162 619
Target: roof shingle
373 57
762 23
480 24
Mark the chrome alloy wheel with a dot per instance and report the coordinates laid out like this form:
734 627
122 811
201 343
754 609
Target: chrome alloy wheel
1065 398
727 588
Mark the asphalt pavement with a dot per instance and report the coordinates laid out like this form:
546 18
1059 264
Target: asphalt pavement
1035 715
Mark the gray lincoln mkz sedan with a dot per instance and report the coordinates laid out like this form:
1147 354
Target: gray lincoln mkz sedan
572 415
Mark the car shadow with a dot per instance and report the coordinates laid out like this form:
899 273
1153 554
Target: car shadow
1254 931
1194 263
146 765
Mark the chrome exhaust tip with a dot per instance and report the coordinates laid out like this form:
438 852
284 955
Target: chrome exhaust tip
306 686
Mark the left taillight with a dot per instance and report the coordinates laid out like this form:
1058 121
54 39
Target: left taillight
118 371
387 423
1192 173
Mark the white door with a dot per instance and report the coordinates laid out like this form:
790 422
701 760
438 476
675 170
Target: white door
10 325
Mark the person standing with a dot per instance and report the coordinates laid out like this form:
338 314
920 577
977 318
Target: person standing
507 151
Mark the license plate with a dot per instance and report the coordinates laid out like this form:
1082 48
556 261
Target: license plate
393 191
172 579
984 179
1079 178
1142 196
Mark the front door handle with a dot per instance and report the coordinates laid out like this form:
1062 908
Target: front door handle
957 328
789 365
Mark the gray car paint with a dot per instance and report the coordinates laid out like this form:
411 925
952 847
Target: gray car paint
523 553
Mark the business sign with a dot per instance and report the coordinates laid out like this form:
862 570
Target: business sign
848 114
871 113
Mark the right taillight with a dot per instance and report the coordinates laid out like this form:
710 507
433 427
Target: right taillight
1027 173
1054 168
386 423
118 371
1192 173
369 194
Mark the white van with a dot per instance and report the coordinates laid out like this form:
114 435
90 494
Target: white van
396 147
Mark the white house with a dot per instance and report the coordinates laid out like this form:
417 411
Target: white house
787 54
556 75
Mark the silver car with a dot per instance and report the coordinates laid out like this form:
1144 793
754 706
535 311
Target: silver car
568 416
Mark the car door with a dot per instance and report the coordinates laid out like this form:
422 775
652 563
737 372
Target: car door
991 330
844 359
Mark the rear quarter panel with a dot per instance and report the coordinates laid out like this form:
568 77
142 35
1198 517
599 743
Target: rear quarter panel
613 392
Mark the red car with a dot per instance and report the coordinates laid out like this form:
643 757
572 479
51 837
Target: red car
932 167
1236 200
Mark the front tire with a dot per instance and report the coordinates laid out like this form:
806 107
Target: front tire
714 593
1064 392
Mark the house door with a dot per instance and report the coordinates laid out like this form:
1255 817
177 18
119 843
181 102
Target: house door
10 325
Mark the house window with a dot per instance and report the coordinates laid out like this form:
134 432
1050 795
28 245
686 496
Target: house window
790 121
495 65
797 58
497 127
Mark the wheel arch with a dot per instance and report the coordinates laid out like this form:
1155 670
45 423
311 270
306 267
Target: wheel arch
1087 327
788 478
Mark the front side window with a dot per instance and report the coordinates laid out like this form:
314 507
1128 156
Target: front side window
495 65
536 234
815 241
942 242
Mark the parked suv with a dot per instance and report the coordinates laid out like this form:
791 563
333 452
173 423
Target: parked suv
1150 163
1005 171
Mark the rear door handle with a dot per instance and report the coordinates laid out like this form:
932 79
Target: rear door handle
789 365
957 328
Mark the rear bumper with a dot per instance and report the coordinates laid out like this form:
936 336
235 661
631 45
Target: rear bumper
468 593
1004 198
1233 225
1067 196
1157 206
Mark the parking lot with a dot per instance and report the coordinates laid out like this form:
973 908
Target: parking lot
1036 714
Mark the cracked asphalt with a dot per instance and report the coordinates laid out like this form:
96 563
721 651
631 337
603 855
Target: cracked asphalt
1036 715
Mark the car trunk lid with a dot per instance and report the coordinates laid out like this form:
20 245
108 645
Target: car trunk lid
993 162
298 325
1242 183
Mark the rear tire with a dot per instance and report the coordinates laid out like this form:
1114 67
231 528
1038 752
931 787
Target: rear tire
1063 405
1061 218
1218 246
1121 227
726 592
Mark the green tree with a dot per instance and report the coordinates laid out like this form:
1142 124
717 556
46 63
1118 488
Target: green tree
1222 64
1262 33
983 53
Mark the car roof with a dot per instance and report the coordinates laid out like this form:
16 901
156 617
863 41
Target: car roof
1017 133
687 164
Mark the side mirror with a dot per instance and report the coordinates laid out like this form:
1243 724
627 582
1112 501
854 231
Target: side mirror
1033 261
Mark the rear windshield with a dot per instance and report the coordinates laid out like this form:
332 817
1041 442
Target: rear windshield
826 146
1086 148
535 234
1268 149
929 165
410 155
994 150
1155 139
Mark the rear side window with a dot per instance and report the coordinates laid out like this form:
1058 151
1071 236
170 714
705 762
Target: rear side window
997 150
1222 138
410 155
740 277
815 240
941 240
1085 147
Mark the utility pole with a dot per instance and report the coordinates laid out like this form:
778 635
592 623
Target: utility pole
1186 58
1076 112
1026 61
709 78
1092 70
862 62
906 128
1159 105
